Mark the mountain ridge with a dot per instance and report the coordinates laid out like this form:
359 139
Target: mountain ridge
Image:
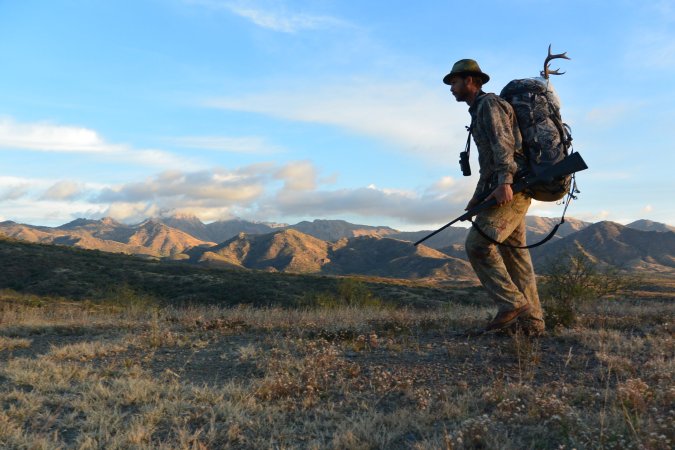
349 248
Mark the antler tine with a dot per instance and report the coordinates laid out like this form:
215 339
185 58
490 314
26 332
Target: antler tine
547 69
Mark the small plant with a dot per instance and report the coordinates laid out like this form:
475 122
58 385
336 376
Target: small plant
349 292
573 280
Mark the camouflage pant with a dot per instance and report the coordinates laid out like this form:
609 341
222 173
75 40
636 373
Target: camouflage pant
506 273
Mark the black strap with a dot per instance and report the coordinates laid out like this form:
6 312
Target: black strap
543 241
570 196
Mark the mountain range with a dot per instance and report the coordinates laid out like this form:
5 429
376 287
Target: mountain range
337 247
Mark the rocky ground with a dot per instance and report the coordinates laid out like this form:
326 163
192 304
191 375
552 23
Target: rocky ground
85 375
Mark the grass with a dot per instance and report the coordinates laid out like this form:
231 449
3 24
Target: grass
135 374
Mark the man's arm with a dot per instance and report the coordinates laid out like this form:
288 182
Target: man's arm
499 119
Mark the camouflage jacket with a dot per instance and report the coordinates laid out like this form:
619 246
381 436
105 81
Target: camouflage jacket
500 151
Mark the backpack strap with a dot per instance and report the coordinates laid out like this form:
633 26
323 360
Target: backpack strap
467 147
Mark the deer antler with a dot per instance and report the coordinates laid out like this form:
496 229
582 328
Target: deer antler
547 70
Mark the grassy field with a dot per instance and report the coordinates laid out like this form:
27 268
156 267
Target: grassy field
129 373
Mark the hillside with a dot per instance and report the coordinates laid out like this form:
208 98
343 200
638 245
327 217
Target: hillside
394 258
149 238
283 251
610 243
648 225
79 274
218 231
291 251
334 230
349 248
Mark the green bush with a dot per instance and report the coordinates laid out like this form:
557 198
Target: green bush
348 292
572 280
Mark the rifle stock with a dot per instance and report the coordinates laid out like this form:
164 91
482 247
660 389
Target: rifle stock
571 164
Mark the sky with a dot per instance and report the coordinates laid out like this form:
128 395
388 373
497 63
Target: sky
290 110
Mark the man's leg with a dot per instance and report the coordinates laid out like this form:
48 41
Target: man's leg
519 265
487 261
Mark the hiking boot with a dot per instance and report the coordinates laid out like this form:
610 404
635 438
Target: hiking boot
505 318
531 327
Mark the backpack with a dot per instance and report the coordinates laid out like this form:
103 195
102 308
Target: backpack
546 139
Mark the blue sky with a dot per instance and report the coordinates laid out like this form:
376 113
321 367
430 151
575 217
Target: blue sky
293 110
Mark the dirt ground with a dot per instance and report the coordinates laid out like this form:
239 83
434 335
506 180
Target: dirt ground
335 378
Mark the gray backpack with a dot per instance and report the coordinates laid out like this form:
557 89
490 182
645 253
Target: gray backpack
546 139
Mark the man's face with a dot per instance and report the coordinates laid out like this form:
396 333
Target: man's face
459 88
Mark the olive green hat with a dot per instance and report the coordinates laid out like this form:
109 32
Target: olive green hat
466 67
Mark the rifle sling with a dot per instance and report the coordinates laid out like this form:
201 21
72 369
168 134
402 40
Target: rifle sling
543 241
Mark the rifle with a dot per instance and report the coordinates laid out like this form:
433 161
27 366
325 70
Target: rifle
571 164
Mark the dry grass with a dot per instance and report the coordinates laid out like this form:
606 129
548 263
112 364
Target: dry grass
80 375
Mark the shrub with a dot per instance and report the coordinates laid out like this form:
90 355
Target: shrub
349 292
572 280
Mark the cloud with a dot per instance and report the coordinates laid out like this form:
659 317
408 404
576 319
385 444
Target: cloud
14 192
445 184
410 116
265 191
273 15
253 192
187 188
64 190
249 145
49 137
412 207
298 176
46 137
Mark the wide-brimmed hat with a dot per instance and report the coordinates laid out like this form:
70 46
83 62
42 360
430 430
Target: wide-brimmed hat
466 67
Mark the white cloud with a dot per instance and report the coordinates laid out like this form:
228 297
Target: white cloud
64 190
425 207
46 137
49 137
249 144
298 176
445 184
273 15
410 116
14 192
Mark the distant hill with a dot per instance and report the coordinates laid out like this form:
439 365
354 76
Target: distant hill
610 243
539 227
334 230
219 231
78 274
446 238
452 238
283 251
394 258
338 247
289 250
648 225
149 238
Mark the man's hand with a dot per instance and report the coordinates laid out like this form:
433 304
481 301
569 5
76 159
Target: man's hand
502 194
473 202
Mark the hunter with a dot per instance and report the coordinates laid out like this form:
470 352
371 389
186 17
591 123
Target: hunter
505 272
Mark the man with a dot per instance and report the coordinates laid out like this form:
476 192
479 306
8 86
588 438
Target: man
506 273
